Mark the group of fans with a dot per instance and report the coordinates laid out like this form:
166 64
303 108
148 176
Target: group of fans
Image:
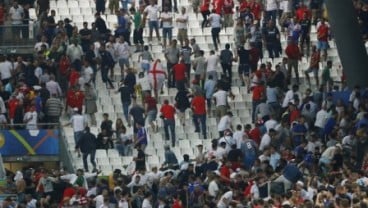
303 149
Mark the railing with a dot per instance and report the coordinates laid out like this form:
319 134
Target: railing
16 37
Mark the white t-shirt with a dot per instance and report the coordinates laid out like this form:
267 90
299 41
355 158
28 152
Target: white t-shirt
229 142
221 97
166 15
270 124
122 50
152 12
238 137
88 74
212 61
224 123
285 6
228 196
32 123
254 191
39 44
265 142
146 204
271 5
145 84
77 122
213 189
289 96
16 15
182 25
5 70
321 118
215 20
99 200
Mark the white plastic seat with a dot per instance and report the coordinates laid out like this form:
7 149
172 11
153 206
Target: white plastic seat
77 18
184 144
112 153
103 161
153 159
86 11
63 11
73 4
101 153
75 11
84 4
126 160
61 4
116 161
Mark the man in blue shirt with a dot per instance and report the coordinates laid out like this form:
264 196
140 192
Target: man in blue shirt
209 88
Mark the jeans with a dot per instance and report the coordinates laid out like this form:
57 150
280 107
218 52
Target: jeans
126 109
105 77
272 50
215 36
92 159
170 74
77 136
293 64
200 119
170 123
254 106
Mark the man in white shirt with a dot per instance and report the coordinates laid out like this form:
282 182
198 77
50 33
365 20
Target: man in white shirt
213 188
182 24
271 10
6 69
167 20
290 95
227 198
87 72
152 14
220 100
53 87
16 14
122 51
215 21
266 139
147 200
238 136
74 52
38 45
212 62
30 118
78 123
224 123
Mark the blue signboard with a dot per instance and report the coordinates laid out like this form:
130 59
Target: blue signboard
29 142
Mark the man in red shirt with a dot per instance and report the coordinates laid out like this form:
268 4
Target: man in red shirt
151 110
180 74
293 53
313 65
75 98
228 13
323 31
12 105
199 113
168 115
256 9
258 95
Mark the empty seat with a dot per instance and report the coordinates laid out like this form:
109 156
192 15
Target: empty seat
75 11
113 153
101 153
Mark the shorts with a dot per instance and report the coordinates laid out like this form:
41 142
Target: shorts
124 61
145 67
151 115
243 69
322 45
182 34
153 25
167 33
314 70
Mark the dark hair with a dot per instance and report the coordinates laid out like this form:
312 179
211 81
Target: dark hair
227 46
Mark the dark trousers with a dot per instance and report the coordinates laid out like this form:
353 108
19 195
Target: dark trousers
170 124
215 36
205 17
226 69
170 74
92 157
105 76
273 50
255 103
200 124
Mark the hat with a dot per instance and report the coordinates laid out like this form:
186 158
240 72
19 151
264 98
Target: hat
75 109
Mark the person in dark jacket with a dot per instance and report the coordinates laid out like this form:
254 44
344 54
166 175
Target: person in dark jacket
106 62
87 145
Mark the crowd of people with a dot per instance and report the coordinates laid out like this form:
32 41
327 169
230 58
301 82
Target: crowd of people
302 149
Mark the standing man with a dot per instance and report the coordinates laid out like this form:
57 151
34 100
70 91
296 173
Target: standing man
180 75
212 61
167 20
199 65
313 65
168 115
271 38
182 24
90 98
107 62
243 56
293 53
172 57
16 16
151 11
323 31
87 145
78 123
199 114
226 60
138 28
53 109
186 52
126 99
305 25
220 99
